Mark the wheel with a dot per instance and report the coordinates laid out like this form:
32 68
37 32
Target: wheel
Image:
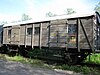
23 52
82 57
71 59
4 49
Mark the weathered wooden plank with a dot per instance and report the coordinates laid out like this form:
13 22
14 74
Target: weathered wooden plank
81 24
44 42
36 35
93 33
19 36
66 36
25 37
22 35
9 39
15 39
40 39
87 23
78 35
32 37
58 21
49 35
72 21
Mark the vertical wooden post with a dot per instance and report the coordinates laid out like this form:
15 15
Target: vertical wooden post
10 41
93 34
32 36
49 35
66 36
40 38
7 36
78 35
19 36
25 37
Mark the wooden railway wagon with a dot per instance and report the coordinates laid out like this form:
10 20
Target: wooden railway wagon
77 36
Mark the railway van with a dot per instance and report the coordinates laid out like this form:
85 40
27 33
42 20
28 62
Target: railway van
76 35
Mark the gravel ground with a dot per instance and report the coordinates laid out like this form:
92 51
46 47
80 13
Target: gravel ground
17 68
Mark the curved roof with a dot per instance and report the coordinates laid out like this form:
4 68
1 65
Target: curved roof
76 15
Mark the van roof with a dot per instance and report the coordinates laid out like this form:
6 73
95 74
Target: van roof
75 15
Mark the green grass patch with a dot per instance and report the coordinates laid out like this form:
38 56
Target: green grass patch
32 62
79 69
94 58
88 70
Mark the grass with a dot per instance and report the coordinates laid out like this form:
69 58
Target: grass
85 69
95 58
33 62
80 69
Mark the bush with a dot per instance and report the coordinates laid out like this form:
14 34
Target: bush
94 58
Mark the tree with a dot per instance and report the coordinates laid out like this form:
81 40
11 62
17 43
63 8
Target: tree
3 22
50 14
69 11
97 8
25 17
14 21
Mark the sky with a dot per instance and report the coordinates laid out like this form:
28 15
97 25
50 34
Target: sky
12 10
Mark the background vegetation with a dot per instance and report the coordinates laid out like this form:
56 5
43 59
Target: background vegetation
88 67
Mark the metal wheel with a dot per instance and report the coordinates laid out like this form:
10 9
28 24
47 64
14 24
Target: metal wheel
71 59
82 57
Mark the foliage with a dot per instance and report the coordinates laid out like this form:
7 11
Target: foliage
94 58
33 62
45 54
97 8
3 22
69 11
25 17
81 69
14 21
85 69
50 14
35 53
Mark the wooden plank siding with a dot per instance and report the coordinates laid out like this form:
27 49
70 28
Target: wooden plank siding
22 34
36 35
58 33
32 37
78 35
15 34
88 35
45 32
5 37
40 36
52 34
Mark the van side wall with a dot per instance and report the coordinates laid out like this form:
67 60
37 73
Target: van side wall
37 34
